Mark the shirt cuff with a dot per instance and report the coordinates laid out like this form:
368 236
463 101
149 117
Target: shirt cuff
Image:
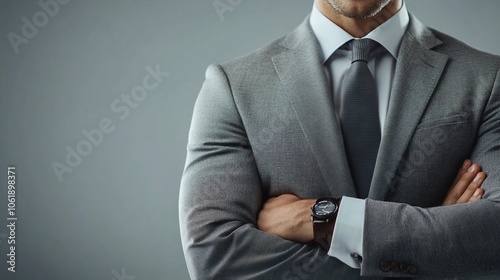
347 240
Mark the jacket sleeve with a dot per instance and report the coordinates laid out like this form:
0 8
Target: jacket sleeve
221 196
457 240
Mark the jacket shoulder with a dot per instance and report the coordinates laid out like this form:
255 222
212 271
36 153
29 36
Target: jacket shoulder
461 51
262 57
258 57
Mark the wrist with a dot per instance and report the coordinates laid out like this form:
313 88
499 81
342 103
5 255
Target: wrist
304 227
324 215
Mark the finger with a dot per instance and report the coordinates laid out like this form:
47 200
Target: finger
478 195
467 163
461 185
471 189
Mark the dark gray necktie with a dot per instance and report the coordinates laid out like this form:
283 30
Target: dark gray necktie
359 115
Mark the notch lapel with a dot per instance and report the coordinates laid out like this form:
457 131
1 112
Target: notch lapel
418 70
304 79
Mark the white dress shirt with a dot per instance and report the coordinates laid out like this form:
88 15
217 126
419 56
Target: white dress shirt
347 241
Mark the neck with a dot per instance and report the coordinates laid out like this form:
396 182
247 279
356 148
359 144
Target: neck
358 27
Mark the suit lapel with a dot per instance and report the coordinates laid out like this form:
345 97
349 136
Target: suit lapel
418 70
304 79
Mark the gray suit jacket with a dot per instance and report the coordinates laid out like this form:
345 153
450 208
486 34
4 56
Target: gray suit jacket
264 125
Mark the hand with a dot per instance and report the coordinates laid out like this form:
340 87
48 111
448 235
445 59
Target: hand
288 217
467 185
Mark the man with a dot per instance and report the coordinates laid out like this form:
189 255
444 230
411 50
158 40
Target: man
272 132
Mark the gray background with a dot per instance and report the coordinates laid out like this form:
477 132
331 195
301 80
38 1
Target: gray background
115 215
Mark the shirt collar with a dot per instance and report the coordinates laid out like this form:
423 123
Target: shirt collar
331 37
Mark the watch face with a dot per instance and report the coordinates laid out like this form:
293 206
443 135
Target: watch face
324 208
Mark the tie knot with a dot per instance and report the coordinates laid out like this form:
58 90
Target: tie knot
361 48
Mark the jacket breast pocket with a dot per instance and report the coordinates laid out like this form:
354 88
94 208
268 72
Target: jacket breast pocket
443 121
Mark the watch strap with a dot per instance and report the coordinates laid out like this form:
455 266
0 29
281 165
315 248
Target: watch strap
323 233
323 229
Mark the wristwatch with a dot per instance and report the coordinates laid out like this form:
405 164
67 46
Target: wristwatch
324 214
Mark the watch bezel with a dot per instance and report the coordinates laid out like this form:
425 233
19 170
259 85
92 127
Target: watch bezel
321 218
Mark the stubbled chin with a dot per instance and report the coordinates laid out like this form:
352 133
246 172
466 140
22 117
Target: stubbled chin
358 9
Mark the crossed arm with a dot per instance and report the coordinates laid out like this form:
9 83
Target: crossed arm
289 216
222 197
